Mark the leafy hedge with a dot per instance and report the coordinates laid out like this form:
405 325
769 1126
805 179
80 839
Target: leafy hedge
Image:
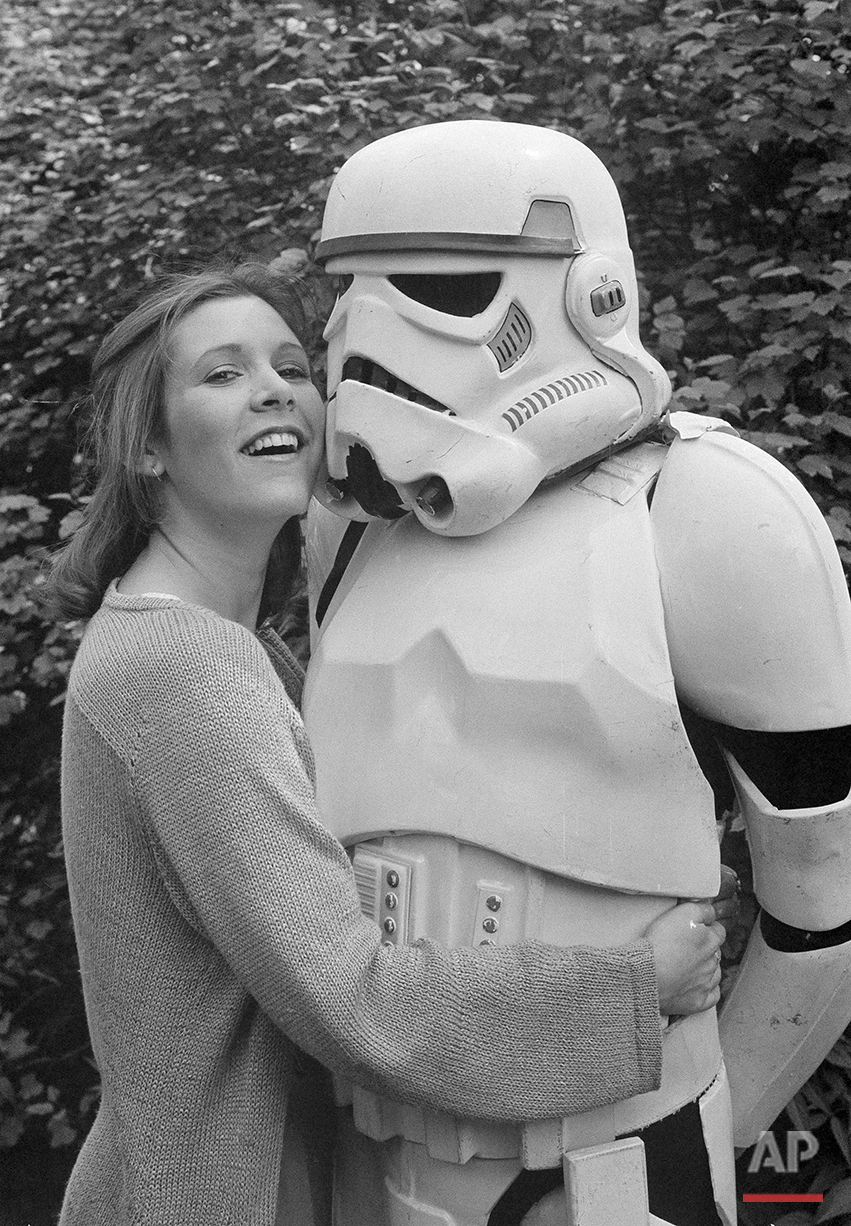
139 136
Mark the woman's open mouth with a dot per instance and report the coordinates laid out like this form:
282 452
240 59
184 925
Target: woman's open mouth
272 444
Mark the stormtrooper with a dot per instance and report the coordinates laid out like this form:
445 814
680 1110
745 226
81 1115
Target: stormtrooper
547 614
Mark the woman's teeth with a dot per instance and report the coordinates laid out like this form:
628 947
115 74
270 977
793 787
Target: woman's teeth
272 443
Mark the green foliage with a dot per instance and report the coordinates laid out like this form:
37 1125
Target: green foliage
139 136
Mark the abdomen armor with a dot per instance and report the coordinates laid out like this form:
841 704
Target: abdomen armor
468 686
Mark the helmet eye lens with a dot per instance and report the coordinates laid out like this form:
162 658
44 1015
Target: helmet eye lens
465 294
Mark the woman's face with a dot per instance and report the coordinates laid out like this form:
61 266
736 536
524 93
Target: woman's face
244 425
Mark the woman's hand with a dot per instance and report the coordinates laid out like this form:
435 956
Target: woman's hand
687 944
726 901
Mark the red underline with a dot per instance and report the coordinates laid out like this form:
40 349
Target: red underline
794 1198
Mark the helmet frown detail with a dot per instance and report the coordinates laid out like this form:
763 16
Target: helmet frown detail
486 334
551 394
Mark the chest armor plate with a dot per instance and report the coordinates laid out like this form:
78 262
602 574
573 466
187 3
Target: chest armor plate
513 691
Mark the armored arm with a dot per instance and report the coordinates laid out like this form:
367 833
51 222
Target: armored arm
759 630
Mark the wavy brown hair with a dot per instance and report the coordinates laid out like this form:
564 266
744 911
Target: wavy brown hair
127 407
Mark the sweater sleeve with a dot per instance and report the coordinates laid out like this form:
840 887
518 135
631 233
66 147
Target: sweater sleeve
223 775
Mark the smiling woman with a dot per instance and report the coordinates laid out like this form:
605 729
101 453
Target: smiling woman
237 455
141 370
222 946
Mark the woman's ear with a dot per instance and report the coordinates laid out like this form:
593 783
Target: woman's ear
152 465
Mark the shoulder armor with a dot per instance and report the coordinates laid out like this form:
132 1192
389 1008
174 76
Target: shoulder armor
757 610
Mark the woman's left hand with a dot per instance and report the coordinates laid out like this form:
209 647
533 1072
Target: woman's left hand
726 901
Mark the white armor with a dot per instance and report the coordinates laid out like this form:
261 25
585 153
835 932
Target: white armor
493 696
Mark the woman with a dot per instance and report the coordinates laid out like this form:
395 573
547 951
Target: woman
217 922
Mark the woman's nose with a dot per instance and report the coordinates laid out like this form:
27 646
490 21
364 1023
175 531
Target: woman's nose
273 392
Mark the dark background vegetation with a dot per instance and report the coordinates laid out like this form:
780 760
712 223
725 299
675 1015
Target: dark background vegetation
141 136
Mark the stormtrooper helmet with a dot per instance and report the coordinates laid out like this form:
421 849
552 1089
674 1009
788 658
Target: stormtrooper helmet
485 334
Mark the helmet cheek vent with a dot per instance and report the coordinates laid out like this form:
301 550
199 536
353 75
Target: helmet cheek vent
513 338
462 294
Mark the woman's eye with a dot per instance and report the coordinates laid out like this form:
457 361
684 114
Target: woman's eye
292 372
222 374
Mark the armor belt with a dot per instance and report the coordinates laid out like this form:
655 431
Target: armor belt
691 1059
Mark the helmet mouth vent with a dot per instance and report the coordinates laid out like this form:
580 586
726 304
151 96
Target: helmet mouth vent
364 370
365 483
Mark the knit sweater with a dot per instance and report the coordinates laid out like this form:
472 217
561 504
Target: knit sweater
219 932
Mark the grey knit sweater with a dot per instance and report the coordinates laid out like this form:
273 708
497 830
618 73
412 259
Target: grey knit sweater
219 931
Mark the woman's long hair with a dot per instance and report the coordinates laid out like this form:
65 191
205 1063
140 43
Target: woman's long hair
127 405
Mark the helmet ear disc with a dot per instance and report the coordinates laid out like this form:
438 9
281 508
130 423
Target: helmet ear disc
596 297
597 294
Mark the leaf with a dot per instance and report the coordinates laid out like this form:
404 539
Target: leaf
841 531
837 1203
840 1135
708 389
17 502
10 706
60 1131
811 68
773 440
814 465
69 524
842 425
834 193
814 9
786 270
697 290
30 1087
16 1045
787 301
11 1131
39 1109
840 1053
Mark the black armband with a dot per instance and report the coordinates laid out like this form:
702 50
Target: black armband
789 940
